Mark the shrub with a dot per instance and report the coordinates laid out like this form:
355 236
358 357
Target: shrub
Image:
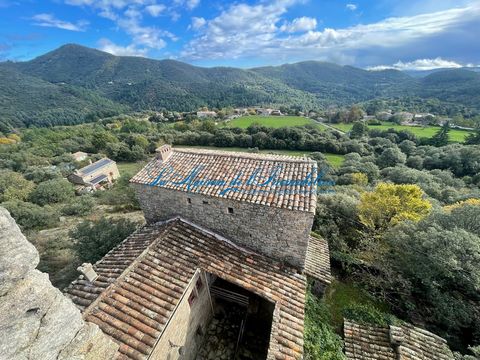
14 187
52 191
80 206
367 314
93 239
321 341
31 216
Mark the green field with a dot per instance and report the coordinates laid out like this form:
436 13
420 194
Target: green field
130 168
334 159
269 121
422 132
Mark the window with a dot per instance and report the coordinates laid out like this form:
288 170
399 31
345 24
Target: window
230 210
199 284
192 298
189 200
205 202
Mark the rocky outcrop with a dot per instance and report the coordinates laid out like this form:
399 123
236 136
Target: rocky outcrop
36 320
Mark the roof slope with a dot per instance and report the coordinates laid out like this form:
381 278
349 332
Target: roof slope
286 182
87 170
366 342
317 261
145 291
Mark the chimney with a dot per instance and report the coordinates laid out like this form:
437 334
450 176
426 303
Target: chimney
163 152
87 270
397 338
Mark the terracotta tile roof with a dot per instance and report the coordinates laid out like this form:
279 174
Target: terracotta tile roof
407 342
144 293
317 261
215 166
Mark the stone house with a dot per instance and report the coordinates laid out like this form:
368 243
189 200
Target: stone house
103 171
159 293
263 202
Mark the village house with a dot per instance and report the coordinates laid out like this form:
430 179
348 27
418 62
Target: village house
206 114
213 272
97 174
79 156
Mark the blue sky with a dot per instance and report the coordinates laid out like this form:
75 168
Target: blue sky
401 34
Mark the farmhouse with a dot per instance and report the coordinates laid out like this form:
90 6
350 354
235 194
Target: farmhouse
103 171
212 272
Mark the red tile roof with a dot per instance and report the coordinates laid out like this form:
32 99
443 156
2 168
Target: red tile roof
317 261
143 279
366 342
294 193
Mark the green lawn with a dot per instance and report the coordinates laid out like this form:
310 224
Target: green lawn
423 132
334 159
269 121
130 168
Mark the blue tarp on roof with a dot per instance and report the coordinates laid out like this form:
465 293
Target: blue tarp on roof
95 166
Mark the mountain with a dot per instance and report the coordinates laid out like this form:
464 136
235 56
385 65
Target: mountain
73 84
27 100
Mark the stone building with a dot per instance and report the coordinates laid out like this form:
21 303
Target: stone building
263 202
184 287
402 342
103 171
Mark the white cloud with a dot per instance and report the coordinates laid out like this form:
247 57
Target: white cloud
422 64
300 24
128 16
244 30
155 10
351 7
198 22
49 20
192 4
130 50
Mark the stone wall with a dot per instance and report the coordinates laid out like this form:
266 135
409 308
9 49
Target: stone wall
278 233
36 320
182 329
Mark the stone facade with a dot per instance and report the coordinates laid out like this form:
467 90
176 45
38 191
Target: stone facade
36 320
185 331
278 233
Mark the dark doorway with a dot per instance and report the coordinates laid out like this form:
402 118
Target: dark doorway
240 328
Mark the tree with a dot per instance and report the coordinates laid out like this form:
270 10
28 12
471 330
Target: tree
355 114
473 138
31 216
441 137
433 267
359 129
391 157
13 186
93 239
52 191
389 204
101 139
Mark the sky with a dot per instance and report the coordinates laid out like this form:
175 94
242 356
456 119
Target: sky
400 34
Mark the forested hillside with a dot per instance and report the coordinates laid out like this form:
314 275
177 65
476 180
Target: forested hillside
76 84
